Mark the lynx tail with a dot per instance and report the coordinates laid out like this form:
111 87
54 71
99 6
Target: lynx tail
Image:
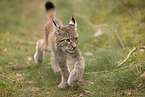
50 9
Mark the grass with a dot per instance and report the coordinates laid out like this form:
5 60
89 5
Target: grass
21 25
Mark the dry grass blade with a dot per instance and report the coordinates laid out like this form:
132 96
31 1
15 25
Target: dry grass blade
106 70
96 72
25 42
135 73
128 56
105 25
120 39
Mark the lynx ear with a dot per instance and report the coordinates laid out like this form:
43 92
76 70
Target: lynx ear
57 26
73 22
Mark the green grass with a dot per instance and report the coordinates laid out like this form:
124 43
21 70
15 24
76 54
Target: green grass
21 25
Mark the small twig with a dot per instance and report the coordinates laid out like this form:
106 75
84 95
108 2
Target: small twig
127 56
120 39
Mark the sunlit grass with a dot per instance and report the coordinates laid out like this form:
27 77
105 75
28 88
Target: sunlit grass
21 25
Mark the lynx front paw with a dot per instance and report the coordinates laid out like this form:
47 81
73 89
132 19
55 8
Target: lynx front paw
71 83
73 78
63 85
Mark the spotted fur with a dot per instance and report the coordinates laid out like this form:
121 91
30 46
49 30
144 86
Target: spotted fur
62 42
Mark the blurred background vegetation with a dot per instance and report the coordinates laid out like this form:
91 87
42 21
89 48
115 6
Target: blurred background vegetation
21 25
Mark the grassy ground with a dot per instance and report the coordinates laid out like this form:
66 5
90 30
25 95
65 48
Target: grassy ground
21 25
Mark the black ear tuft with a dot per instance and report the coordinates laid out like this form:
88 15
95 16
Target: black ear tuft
49 5
73 19
55 24
73 22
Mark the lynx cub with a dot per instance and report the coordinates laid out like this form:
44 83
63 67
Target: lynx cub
62 41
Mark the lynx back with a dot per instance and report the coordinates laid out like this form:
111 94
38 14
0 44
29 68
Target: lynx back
62 42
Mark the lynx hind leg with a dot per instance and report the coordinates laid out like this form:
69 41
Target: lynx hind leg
39 54
54 64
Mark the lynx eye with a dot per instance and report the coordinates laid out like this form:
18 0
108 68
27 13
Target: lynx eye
76 38
67 40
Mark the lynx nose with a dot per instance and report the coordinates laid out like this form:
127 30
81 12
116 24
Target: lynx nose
74 45
74 48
